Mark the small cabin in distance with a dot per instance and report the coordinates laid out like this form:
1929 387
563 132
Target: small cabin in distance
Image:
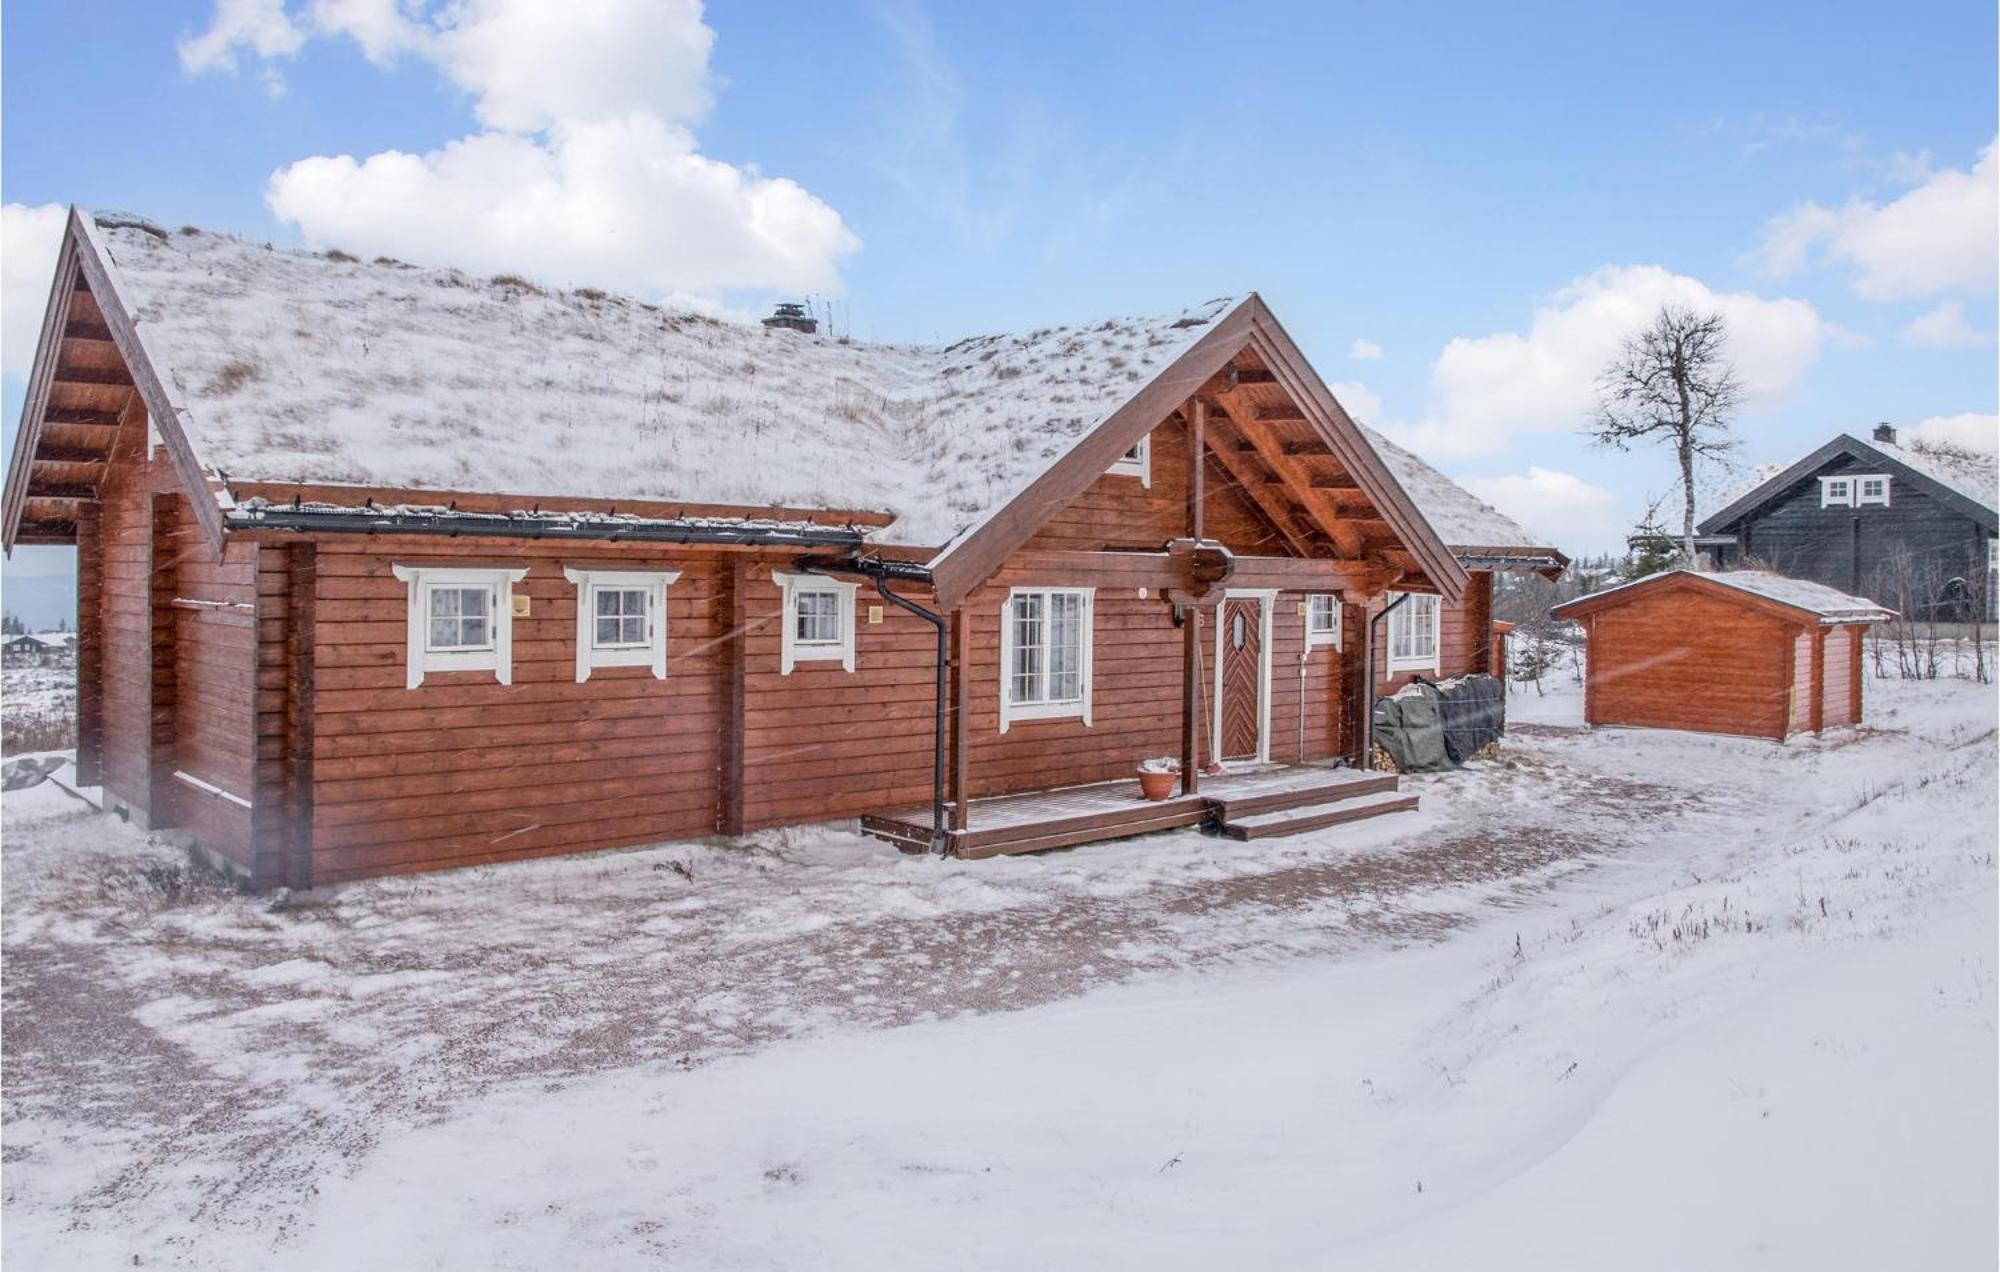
1742 652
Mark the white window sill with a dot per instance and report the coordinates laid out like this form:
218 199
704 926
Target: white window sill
1043 711
1396 666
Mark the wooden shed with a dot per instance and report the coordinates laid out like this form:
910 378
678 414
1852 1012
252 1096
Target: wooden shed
1742 652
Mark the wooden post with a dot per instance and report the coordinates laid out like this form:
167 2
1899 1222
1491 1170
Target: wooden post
89 646
301 640
1816 709
1197 444
160 761
735 610
1854 676
961 720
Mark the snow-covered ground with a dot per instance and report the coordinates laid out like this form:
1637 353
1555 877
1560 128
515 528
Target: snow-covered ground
37 708
1617 998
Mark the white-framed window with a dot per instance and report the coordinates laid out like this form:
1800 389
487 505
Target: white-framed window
1137 462
1871 488
621 618
1836 492
1045 640
1413 634
818 620
460 620
1323 620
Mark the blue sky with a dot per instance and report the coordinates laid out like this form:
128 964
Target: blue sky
1486 194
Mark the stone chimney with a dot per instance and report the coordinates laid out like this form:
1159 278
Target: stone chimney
1886 434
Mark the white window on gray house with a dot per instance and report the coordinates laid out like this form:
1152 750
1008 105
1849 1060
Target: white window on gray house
1045 655
1871 488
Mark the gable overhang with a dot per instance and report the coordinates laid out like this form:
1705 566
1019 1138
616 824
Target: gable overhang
978 553
1501 559
1725 521
83 259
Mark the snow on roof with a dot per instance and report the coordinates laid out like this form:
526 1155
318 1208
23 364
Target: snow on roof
1974 474
321 368
1461 518
1830 604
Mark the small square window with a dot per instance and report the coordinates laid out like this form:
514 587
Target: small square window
1137 461
461 618
620 617
1872 489
816 613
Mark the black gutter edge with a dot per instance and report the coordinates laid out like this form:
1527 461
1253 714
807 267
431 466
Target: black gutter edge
881 571
506 525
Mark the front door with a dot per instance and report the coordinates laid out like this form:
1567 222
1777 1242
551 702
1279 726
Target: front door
1240 680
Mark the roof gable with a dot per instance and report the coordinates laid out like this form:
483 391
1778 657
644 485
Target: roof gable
1966 493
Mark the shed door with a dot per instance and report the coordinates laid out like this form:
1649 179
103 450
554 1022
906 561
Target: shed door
1241 679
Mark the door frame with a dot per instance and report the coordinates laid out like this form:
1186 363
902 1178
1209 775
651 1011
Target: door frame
1267 605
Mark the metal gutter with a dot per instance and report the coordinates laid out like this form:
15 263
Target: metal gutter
591 527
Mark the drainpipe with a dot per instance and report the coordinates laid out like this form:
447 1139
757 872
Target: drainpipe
1368 684
880 572
940 841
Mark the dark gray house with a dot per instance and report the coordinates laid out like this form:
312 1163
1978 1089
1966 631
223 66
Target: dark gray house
1909 527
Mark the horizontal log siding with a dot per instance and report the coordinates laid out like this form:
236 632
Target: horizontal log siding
824 743
1801 693
1465 639
1678 659
213 623
1121 512
463 770
1843 676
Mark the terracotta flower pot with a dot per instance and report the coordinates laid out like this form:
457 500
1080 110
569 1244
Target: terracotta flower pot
1158 786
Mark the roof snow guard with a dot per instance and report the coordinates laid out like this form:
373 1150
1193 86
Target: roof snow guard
323 518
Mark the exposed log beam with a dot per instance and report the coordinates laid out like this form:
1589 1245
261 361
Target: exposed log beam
60 453
79 329
1349 542
60 490
45 532
1341 482
94 375
1275 511
73 415
1280 413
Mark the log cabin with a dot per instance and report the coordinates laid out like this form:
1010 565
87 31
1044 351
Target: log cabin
1912 527
1740 651
385 568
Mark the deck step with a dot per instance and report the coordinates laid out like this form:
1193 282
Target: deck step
1297 820
1347 784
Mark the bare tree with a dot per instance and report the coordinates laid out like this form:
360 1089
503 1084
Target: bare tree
1672 383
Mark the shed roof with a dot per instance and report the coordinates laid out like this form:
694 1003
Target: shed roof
1802 597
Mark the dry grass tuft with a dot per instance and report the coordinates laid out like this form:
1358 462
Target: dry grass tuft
231 376
516 283
339 257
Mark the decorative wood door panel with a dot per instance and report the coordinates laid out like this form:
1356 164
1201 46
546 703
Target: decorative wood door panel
1242 679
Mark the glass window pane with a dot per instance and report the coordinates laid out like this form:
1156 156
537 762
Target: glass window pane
444 633
473 633
816 617
1025 682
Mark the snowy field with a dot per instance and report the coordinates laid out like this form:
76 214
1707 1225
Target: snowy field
1615 999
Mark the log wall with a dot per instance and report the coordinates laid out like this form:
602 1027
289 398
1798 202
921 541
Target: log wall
1679 659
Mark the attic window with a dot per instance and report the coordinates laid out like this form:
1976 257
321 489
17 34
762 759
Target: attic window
621 619
1871 489
1836 492
1137 462
459 620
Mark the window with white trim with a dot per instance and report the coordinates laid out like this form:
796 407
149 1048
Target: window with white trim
818 620
1413 634
1871 488
1137 462
1045 640
1836 492
460 620
621 619
1323 620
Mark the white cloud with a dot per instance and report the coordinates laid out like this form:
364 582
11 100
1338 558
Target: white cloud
1939 237
1944 328
1970 430
30 237
1561 507
1364 349
1361 402
587 171
621 203
1488 390
262 26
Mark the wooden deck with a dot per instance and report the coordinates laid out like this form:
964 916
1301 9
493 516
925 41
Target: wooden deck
1253 804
